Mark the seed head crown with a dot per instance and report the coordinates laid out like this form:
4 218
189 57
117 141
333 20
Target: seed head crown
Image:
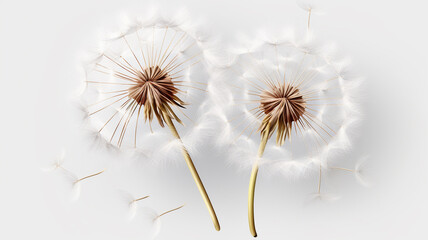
283 104
156 92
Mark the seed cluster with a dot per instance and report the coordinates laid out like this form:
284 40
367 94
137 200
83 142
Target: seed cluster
156 92
282 104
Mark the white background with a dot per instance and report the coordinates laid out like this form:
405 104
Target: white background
40 43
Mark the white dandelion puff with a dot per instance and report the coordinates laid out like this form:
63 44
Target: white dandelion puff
152 74
289 90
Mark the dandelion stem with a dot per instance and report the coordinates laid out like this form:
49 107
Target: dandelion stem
89 176
309 18
252 186
172 210
141 198
193 171
319 180
344 169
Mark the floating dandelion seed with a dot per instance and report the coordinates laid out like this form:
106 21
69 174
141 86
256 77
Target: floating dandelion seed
57 164
310 8
153 219
149 71
321 195
357 171
290 89
130 202
73 182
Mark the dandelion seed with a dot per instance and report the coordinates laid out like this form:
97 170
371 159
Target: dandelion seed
357 171
129 203
133 205
74 183
57 164
310 8
153 219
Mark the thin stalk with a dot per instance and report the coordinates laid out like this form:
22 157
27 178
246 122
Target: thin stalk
193 171
252 186
344 169
172 210
139 199
89 176
319 180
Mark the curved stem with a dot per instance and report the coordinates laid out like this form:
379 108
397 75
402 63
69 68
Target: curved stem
194 173
252 186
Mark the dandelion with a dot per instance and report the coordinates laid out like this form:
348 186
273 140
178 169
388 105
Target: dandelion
293 90
150 72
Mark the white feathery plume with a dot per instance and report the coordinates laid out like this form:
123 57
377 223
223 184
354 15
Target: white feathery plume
152 74
322 196
153 223
74 182
310 8
357 171
130 203
360 168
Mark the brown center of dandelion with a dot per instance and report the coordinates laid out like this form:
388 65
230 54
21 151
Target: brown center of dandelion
283 105
155 91
285 101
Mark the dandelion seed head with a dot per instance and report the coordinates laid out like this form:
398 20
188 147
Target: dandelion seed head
154 67
283 105
154 90
287 87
